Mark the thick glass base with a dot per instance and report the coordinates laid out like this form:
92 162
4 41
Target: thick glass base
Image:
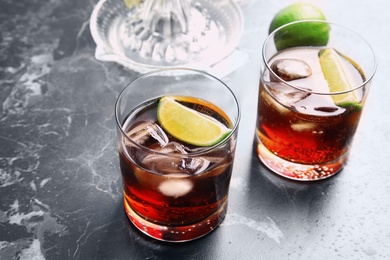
297 171
176 233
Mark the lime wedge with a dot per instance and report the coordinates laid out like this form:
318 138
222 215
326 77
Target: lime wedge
334 73
131 3
188 125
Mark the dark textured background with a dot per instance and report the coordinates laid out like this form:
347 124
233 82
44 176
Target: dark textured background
60 187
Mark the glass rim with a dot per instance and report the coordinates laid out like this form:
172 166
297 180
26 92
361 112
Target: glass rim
365 82
206 149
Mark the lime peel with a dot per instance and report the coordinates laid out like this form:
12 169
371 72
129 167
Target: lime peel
300 34
188 125
334 73
296 12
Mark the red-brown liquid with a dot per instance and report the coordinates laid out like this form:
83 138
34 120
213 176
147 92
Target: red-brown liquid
178 190
311 129
302 138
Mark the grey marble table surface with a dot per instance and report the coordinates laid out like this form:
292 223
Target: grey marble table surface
60 185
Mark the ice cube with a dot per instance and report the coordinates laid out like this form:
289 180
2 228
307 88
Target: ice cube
219 169
303 126
176 147
157 133
269 100
138 133
144 130
164 164
285 94
174 165
290 69
194 165
175 187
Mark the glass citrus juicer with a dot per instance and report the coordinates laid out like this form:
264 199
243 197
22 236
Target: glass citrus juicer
152 34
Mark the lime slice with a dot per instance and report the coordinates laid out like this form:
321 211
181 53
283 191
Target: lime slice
334 73
131 3
188 125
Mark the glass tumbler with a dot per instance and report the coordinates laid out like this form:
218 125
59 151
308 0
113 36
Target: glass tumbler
311 96
175 191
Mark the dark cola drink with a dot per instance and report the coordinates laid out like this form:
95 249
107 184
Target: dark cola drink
173 191
302 134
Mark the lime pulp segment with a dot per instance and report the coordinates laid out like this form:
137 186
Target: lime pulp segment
335 74
188 125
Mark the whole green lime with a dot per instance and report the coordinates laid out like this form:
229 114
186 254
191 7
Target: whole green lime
300 34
